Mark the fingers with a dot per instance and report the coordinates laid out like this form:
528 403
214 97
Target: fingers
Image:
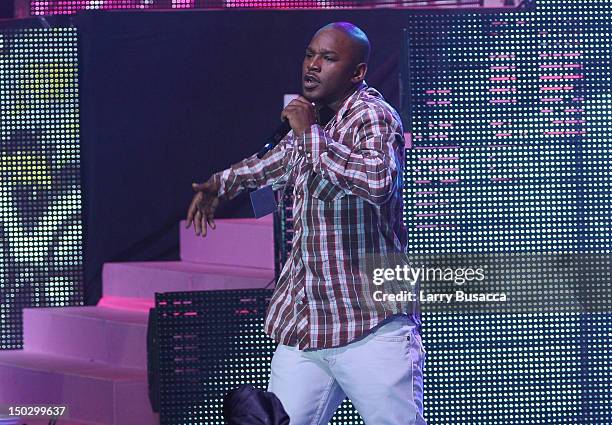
202 208
303 100
203 218
197 222
210 214
297 103
203 228
288 111
300 102
191 211
201 187
200 224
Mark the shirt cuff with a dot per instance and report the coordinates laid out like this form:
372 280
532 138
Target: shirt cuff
313 143
218 181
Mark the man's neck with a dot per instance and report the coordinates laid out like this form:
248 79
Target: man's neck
337 104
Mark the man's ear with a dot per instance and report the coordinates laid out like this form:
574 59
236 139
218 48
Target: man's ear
360 72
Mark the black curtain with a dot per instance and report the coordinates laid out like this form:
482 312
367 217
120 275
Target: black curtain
7 9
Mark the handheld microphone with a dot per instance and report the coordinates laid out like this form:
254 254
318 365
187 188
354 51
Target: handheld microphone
283 129
325 115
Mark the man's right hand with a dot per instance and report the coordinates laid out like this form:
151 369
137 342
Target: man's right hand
203 206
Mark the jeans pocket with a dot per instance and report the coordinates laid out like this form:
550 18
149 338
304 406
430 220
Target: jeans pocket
389 338
395 331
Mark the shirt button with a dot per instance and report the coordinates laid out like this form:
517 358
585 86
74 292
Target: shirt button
299 302
308 155
300 148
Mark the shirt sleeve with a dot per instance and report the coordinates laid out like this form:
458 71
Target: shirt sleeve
252 172
369 169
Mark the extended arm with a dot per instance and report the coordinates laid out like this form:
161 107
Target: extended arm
252 172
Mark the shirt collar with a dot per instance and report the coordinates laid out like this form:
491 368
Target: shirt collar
351 100
346 105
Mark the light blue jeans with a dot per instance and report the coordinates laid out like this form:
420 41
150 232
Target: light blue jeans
382 374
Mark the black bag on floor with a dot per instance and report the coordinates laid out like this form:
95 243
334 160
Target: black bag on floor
246 405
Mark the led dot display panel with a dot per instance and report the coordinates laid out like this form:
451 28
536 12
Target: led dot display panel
510 161
60 7
199 363
40 191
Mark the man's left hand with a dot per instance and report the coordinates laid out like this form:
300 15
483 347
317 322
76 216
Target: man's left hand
301 115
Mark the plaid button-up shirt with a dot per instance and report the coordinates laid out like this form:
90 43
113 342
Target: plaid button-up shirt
347 183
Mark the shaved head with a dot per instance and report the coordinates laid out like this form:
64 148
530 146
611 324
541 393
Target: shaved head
358 39
335 63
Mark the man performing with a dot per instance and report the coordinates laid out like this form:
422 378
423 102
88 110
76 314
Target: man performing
334 339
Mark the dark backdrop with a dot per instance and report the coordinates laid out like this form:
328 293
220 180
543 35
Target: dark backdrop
7 9
169 98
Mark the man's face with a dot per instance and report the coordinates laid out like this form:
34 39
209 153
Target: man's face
329 65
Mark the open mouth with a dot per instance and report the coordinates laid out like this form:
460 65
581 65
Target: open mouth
310 82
